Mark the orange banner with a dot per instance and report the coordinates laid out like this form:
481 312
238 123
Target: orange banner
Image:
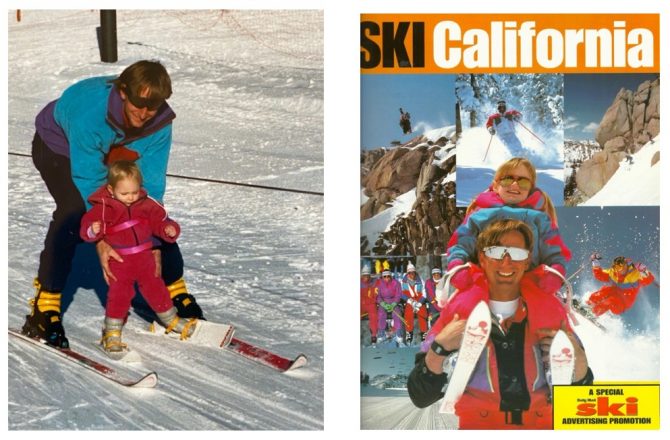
507 43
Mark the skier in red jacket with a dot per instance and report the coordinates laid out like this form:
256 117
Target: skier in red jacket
369 302
624 280
502 124
127 219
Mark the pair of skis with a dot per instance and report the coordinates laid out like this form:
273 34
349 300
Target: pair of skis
475 336
150 380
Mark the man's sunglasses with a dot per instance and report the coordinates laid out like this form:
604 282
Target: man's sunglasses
498 252
150 104
523 182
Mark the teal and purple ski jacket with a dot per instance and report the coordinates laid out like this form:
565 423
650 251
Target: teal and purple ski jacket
87 120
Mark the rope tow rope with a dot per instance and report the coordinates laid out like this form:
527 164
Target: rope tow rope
220 181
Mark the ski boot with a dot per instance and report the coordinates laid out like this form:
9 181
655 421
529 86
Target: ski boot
408 338
184 301
173 323
423 336
111 336
373 340
44 320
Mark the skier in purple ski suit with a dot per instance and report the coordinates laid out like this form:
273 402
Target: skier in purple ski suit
388 299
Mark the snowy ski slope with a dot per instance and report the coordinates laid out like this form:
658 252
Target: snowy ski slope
249 109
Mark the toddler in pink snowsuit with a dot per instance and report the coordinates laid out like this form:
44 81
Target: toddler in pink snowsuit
127 219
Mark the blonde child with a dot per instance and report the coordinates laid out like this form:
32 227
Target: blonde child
512 195
127 219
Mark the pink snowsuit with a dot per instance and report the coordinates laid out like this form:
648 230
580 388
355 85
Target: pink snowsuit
130 230
389 293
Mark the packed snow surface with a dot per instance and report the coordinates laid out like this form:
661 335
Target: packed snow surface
634 183
248 95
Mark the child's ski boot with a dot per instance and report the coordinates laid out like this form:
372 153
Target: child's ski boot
111 342
173 323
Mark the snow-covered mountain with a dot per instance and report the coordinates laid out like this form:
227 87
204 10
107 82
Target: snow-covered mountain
407 203
577 151
248 94
636 182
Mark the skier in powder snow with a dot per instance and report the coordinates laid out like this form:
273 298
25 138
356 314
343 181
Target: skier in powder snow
405 122
389 293
127 219
508 389
624 281
413 302
431 300
502 124
512 194
369 302
97 121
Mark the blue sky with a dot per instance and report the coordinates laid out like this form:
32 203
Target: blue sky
587 97
430 100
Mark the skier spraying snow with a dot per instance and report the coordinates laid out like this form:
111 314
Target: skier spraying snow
127 219
508 389
405 122
502 124
624 281
369 302
74 135
512 194
389 293
413 303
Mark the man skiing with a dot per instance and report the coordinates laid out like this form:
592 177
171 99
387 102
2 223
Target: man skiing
624 280
405 123
502 124
369 302
508 388
414 301
95 122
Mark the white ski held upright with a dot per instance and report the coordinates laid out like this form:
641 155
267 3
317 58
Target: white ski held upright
475 336
561 360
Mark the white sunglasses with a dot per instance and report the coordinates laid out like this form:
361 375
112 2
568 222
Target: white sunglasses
498 252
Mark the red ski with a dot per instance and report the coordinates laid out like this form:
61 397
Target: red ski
266 357
149 380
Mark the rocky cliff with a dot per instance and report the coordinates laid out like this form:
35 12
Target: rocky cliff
426 167
631 121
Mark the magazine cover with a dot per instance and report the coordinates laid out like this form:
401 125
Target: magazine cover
510 192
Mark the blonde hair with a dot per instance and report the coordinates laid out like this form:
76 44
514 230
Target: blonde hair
506 168
122 170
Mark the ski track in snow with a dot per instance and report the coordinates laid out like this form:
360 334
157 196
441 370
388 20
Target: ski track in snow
253 257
